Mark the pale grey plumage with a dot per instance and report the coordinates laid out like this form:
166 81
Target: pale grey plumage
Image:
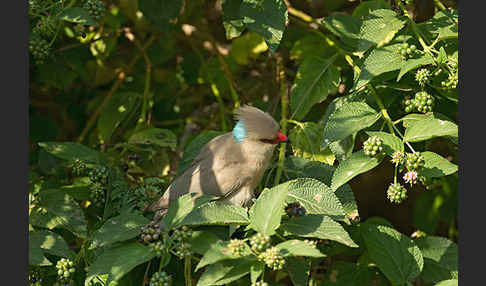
226 168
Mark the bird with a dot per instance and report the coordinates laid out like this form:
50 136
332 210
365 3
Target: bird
231 165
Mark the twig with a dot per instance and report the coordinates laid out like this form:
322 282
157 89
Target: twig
439 5
114 88
283 121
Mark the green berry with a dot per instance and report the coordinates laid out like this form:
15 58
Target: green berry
423 102
414 161
396 193
95 8
259 242
236 247
397 158
373 146
422 76
273 258
160 279
39 48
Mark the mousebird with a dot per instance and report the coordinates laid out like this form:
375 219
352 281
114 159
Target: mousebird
231 165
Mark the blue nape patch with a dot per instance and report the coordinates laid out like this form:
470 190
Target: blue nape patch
239 131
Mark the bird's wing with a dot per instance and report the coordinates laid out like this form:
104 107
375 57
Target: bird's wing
217 171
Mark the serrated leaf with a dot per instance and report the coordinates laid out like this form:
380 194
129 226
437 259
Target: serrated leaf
315 80
391 143
65 208
348 119
115 111
51 242
72 150
342 149
356 164
379 61
305 143
155 136
232 21
295 247
182 207
216 213
318 226
119 228
440 258
202 241
77 15
219 251
396 255
316 197
378 28
193 148
267 18
298 270
267 211
133 254
346 197
429 128
444 25
449 282
436 166
226 271
412 64
365 7
347 28
159 12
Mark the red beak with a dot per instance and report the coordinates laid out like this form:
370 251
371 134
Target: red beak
281 137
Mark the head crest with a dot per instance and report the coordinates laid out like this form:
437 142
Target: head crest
254 123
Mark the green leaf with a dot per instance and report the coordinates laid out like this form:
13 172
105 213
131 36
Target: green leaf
77 15
110 262
296 167
267 18
449 282
391 143
226 271
347 28
50 242
356 164
379 61
159 12
232 21
36 255
348 119
395 254
444 25
216 213
267 211
436 166
155 136
309 46
298 270
193 148
440 258
342 149
318 226
429 128
315 80
248 47
378 28
182 207
256 271
115 111
72 150
219 251
65 208
202 241
295 247
119 228
342 273
412 64
316 197
365 7
346 197
305 143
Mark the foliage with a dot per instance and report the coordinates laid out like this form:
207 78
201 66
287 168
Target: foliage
123 94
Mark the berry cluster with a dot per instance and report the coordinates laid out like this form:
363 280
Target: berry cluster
99 175
156 247
259 283
310 242
47 26
150 233
407 51
422 76
295 209
97 196
79 168
414 161
396 193
35 276
95 8
373 146
422 102
65 270
39 48
398 158
259 242
273 258
160 279
236 247
147 192
453 77
180 238
407 2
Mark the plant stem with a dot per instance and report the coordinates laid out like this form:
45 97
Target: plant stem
439 5
383 110
284 99
146 92
187 270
